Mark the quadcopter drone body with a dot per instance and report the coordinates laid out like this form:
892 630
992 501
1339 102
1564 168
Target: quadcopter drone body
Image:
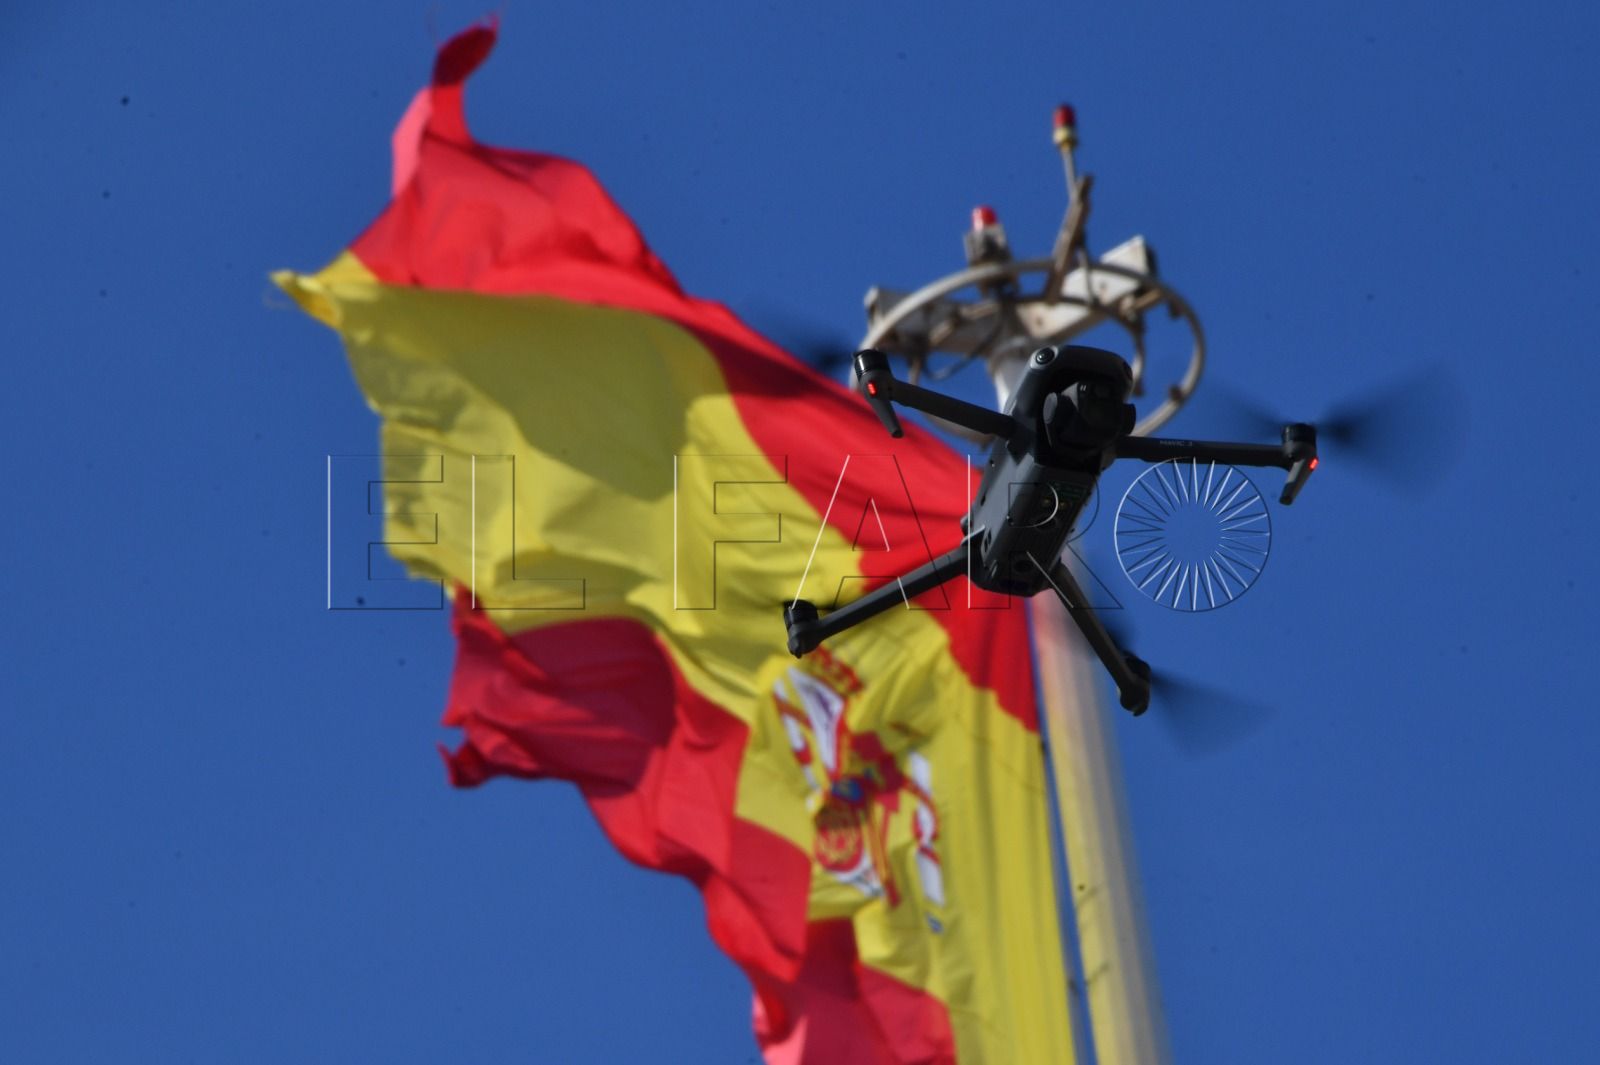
1068 420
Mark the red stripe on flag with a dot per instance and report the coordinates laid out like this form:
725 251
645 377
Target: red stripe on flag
990 645
602 704
839 1012
470 217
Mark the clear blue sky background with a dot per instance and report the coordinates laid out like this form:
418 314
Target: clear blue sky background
224 832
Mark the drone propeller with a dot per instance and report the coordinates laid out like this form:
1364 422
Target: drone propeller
1406 433
828 350
806 338
1200 718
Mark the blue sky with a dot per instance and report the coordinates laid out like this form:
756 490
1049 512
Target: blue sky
226 834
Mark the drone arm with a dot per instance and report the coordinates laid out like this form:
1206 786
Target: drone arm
807 629
1160 449
882 390
1297 454
1133 690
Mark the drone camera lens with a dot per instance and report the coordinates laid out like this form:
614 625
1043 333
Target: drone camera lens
1044 356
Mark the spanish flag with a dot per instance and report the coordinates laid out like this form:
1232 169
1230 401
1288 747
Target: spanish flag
624 484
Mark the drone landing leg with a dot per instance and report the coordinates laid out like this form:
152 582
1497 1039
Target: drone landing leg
1133 686
807 629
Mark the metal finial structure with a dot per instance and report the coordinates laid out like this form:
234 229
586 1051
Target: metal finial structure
1019 305
1012 307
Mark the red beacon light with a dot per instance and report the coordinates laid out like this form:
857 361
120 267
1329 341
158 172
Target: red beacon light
1066 123
985 242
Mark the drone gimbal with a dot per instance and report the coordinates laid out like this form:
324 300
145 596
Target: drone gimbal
1067 422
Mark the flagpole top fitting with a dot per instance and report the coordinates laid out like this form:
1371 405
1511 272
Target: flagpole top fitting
1066 127
986 241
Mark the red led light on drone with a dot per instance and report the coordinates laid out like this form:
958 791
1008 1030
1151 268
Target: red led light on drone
1312 465
872 388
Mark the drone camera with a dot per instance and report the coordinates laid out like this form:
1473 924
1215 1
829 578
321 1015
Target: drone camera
1085 415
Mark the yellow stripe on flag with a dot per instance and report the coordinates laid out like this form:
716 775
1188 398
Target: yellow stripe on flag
594 464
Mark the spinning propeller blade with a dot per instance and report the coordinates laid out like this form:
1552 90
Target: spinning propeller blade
1201 719
807 339
1406 433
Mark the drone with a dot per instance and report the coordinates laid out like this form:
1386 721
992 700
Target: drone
1066 410
1067 421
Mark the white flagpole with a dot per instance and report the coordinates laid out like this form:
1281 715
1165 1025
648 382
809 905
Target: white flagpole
1124 1004
1118 972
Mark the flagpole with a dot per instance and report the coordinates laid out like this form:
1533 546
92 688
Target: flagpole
1118 971
1115 964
